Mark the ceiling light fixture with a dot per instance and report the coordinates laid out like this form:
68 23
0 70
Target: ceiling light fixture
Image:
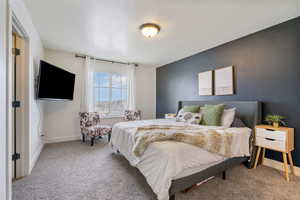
149 29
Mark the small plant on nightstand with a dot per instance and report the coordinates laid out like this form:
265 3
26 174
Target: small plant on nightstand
276 120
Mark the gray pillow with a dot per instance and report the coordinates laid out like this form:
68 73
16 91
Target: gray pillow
237 122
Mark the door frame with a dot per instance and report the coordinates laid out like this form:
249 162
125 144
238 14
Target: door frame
16 26
5 181
7 21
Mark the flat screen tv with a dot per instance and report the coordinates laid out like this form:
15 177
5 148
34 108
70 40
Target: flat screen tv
55 83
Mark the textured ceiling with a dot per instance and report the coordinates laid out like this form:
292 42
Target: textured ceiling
110 28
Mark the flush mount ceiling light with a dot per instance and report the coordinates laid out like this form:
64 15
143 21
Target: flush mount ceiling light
149 29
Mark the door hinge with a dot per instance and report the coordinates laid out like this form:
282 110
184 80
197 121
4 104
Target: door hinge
16 156
16 104
16 51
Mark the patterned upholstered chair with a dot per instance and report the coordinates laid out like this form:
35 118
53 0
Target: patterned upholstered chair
91 128
132 115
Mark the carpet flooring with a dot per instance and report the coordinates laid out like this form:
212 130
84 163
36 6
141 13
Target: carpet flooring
75 171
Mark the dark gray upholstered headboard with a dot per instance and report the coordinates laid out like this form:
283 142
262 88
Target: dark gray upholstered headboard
248 111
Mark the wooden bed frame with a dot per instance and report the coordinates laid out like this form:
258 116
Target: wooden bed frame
250 113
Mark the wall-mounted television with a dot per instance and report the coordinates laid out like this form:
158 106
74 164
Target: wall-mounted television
54 83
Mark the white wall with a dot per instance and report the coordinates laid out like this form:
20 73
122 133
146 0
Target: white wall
4 177
35 108
61 120
61 117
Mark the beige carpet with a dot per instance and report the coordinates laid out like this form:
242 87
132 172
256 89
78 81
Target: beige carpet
75 171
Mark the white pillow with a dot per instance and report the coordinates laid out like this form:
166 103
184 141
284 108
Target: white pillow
196 118
184 116
227 117
180 112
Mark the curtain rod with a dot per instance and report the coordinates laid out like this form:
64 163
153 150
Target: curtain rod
104 60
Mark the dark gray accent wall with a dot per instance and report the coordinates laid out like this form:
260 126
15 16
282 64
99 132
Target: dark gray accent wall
267 69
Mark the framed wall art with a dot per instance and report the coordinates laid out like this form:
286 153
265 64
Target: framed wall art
224 81
205 82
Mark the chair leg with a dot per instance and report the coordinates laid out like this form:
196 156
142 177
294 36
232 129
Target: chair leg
92 141
172 197
83 137
224 175
109 136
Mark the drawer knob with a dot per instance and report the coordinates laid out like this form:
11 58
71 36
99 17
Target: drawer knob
269 129
271 139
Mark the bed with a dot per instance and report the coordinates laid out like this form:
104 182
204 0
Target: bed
171 166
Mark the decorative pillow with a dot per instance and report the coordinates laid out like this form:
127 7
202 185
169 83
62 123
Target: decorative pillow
196 118
237 122
180 112
212 114
184 116
192 109
227 117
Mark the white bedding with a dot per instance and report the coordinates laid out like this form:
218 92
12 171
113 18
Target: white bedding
165 161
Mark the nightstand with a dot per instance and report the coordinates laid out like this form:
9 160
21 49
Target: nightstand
170 116
278 139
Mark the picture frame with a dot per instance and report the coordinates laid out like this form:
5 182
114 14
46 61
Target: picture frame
205 83
224 81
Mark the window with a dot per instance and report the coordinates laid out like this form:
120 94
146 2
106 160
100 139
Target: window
110 93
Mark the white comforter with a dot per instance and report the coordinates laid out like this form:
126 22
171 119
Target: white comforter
164 161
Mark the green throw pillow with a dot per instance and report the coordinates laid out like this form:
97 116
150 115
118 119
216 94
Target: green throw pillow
192 109
211 114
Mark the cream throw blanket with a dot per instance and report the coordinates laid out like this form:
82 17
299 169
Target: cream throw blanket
207 139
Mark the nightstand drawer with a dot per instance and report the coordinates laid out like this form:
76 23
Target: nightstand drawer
271 143
272 134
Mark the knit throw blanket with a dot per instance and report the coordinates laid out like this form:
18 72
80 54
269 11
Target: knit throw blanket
207 139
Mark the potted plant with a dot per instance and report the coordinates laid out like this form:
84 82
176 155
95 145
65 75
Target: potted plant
275 120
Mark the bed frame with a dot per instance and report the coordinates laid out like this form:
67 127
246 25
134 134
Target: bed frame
250 113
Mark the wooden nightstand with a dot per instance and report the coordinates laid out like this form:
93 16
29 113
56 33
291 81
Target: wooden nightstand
277 139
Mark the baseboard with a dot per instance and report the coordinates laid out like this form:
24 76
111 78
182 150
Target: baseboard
35 157
279 165
61 139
